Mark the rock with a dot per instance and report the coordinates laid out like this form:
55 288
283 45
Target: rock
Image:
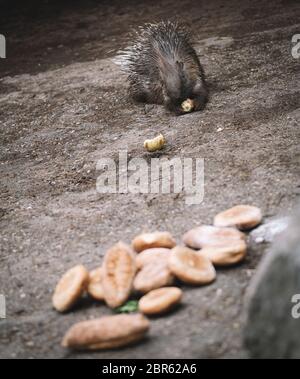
268 232
271 331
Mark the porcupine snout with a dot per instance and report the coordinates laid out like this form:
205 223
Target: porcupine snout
163 68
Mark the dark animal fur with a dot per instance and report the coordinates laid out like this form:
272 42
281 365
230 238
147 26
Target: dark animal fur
163 67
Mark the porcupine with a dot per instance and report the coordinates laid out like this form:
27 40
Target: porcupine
163 68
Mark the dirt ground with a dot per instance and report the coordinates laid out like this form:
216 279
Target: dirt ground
64 105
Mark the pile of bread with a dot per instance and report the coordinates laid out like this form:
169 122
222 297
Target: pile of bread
149 269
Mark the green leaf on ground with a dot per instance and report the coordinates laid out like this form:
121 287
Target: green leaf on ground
130 307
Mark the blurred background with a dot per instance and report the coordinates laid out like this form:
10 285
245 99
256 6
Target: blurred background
49 33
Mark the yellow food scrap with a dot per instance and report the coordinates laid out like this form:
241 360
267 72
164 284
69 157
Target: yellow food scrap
155 144
187 106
